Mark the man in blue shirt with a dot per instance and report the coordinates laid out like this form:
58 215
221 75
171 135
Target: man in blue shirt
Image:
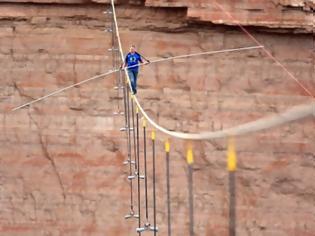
132 62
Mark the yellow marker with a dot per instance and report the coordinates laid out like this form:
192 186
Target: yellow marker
153 135
231 156
137 109
167 146
144 123
190 156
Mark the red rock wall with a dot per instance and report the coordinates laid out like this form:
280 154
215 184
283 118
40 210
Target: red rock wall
272 14
61 169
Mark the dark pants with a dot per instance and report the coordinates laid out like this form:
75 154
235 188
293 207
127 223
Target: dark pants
133 75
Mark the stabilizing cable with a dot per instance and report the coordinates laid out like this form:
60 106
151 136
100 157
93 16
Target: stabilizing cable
231 166
138 169
168 188
190 162
154 228
131 176
147 226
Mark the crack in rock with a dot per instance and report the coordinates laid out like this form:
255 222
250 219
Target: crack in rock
21 92
47 155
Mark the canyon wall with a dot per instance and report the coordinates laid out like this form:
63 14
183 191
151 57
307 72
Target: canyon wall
297 15
61 171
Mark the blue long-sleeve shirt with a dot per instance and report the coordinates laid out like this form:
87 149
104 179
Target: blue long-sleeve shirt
133 59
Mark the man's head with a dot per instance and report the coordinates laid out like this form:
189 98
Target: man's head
132 49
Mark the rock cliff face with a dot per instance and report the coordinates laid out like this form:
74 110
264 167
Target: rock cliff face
272 14
61 171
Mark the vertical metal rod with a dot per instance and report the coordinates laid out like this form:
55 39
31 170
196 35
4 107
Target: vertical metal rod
191 200
121 79
154 181
125 105
129 150
134 136
232 166
168 189
138 161
145 173
232 204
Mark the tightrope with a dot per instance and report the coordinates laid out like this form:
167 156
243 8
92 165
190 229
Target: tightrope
293 114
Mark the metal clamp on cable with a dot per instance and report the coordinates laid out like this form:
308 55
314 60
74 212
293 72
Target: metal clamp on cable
116 113
126 128
131 177
129 162
131 215
119 87
154 229
113 49
147 227
140 176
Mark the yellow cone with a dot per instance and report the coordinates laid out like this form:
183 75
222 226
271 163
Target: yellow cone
190 156
153 135
167 146
231 156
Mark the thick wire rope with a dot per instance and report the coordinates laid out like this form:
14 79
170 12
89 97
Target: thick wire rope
269 122
126 113
114 61
293 114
